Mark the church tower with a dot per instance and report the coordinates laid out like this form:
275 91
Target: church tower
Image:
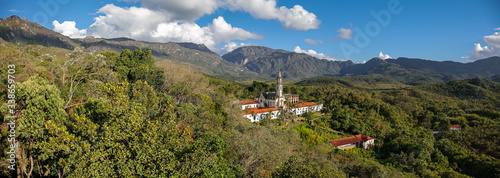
279 92
279 86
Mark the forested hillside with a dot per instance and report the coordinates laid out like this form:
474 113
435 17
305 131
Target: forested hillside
122 114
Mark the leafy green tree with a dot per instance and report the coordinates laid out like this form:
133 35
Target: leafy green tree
141 92
38 104
309 117
138 65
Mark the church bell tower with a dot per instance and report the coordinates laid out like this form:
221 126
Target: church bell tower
279 91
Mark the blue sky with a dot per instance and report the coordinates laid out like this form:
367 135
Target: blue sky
435 30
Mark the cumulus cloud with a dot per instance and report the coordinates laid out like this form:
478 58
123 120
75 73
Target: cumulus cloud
232 46
296 18
497 28
493 39
144 24
173 20
186 10
313 41
224 32
68 28
383 56
213 34
313 53
480 52
344 34
133 22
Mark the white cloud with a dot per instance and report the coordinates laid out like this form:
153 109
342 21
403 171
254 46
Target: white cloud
181 32
497 28
313 53
383 56
213 34
296 18
480 52
493 39
344 33
149 25
68 28
224 32
14 10
185 10
173 20
232 46
313 41
360 62
133 22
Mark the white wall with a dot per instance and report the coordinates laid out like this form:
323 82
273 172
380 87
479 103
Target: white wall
296 111
346 145
262 116
302 110
243 107
368 143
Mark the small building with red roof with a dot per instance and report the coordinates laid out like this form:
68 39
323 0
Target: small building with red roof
455 127
249 104
259 113
362 141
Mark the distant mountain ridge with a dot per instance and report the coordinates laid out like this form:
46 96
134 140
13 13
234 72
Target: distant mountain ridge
485 67
255 61
21 32
268 62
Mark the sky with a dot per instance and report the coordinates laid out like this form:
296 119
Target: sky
357 30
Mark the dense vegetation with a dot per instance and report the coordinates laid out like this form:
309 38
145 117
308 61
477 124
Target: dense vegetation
123 115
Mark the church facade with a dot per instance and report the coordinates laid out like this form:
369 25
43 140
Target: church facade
268 104
273 99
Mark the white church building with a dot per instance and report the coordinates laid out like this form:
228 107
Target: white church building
269 103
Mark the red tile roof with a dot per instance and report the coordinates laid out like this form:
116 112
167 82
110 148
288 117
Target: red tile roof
350 140
306 104
249 102
260 110
456 126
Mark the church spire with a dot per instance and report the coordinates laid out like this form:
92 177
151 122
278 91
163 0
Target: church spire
279 86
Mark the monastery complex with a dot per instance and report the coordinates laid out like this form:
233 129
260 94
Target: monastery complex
271 102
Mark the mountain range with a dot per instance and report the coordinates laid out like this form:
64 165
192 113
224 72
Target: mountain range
255 61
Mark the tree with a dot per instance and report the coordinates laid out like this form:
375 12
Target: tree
139 65
38 104
82 67
141 92
309 117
